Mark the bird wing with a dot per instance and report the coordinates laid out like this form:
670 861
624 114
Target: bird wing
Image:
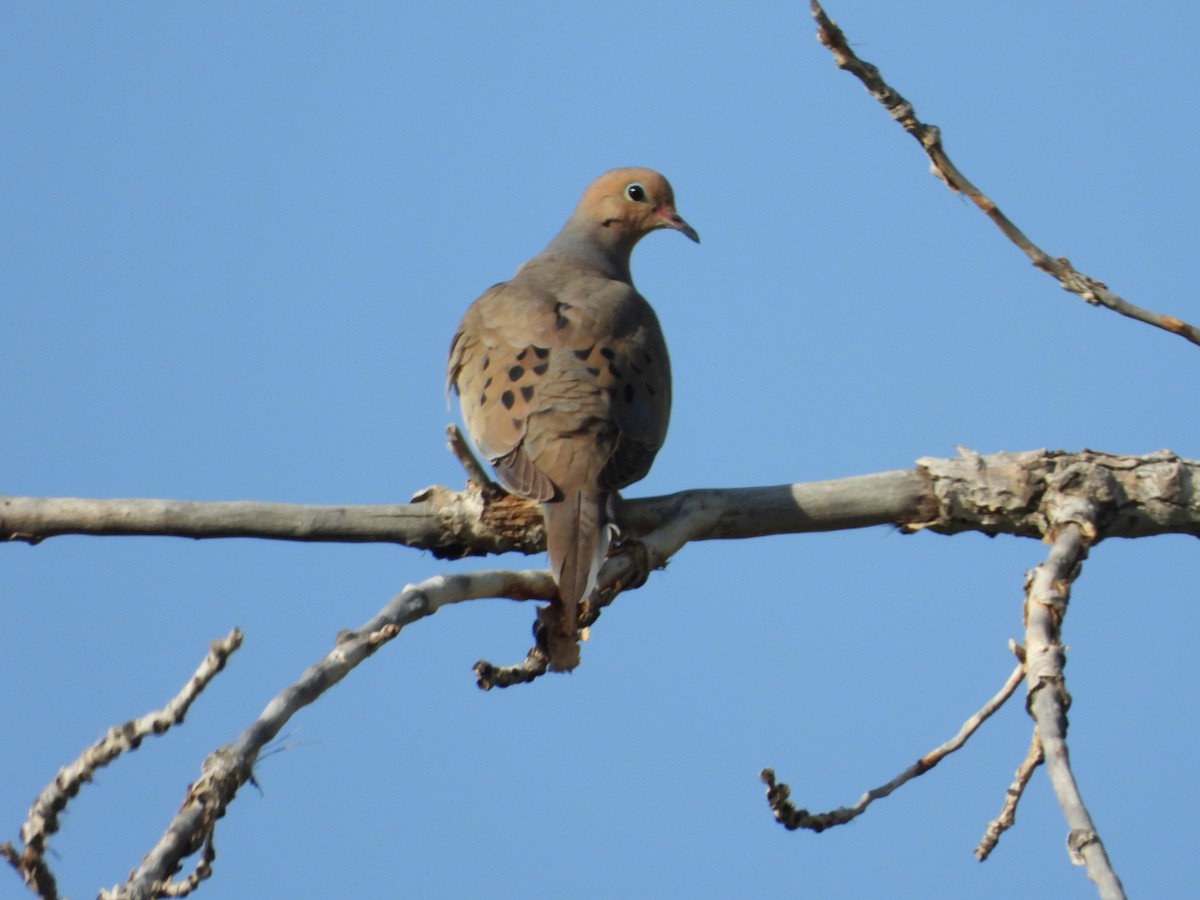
564 380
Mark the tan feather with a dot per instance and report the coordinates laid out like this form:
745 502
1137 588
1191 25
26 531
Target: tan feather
564 378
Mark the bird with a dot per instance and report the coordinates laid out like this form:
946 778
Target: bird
564 380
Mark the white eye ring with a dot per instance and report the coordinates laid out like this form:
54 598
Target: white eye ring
636 192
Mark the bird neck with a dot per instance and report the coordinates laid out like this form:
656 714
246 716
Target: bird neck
603 247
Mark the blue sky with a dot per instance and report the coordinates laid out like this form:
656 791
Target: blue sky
237 240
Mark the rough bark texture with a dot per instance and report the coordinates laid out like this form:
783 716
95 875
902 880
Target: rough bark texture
1001 493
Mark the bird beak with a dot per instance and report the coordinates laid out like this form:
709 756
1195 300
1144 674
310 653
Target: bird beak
672 219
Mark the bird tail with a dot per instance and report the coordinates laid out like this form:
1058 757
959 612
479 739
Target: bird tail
577 539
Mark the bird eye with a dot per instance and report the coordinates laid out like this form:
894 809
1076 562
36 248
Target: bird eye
635 192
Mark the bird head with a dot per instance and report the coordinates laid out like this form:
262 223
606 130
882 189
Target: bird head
630 203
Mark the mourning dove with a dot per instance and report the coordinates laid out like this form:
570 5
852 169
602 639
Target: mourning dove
565 383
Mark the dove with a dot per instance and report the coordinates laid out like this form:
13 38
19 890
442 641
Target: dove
564 381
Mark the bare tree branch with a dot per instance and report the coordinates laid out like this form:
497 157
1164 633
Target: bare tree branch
43 816
1047 594
447 523
1008 813
1029 494
628 566
792 818
930 138
535 665
225 770
473 467
997 494
454 524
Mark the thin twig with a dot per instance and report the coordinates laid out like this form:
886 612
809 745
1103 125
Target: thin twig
929 137
202 870
1008 813
628 566
50 803
474 468
792 818
1047 594
225 770
535 665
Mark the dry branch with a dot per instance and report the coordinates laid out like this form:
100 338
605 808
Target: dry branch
471 465
225 770
534 666
44 814
1001 493
930 138
449 524
792 818
1047 594
1028 494
1012 797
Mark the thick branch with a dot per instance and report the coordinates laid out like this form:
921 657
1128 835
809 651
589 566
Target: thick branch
1002 493
930 138
449 524
1048 592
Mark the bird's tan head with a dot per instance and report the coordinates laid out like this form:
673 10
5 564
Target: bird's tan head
630 203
